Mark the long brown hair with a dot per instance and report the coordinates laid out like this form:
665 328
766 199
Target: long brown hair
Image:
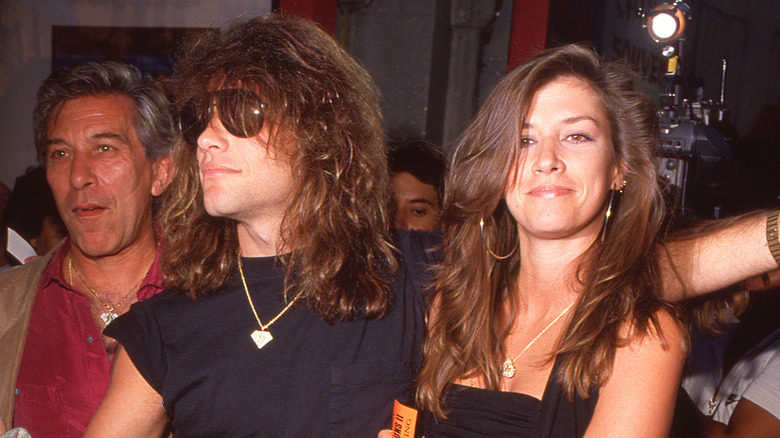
337 223
618 277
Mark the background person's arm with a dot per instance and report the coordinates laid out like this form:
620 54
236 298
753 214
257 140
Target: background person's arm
713 261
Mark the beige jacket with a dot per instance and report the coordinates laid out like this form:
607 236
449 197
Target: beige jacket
18 288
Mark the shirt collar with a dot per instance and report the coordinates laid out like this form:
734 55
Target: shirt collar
150 285
53 271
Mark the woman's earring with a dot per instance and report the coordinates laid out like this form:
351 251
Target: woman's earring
610 207
482 233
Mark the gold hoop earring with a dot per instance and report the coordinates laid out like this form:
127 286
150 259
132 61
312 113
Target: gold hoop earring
608 214
482 233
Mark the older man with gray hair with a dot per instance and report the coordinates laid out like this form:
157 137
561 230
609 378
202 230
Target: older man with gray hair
103 132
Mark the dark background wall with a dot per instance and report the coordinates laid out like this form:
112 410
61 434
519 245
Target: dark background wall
431 59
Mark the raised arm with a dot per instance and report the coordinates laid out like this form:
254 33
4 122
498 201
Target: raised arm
131 408
693 267
637 400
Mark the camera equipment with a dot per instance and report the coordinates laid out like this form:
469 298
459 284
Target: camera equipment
694 159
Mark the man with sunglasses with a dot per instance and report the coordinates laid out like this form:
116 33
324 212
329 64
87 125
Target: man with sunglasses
103 132
285 318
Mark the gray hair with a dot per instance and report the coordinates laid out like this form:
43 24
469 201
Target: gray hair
153 124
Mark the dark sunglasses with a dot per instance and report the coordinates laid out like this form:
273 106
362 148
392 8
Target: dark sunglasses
239 110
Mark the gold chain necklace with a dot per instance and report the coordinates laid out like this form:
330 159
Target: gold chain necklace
508 369
110 314
262 336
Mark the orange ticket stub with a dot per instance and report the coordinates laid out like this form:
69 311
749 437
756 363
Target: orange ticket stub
404 421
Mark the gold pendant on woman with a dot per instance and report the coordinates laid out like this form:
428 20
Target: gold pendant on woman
508 369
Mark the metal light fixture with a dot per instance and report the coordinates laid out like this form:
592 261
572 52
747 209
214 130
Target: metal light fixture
690 149
666 22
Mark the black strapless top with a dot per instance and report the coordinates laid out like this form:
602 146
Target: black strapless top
476 412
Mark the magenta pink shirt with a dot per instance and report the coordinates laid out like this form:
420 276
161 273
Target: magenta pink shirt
65 369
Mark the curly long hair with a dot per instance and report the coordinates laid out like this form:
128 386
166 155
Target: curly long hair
617 276
337 223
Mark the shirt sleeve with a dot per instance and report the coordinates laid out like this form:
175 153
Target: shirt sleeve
764 391
138 332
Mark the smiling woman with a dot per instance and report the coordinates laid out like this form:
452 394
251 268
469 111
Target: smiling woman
567 164
544 321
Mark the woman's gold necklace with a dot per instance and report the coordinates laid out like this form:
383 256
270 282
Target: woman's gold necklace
110 314
508 369
262 336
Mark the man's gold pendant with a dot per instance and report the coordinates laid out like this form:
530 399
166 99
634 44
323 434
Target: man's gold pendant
261 337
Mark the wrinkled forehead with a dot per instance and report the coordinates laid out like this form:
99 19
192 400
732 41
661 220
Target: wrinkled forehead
112 113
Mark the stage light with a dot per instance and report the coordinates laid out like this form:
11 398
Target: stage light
666 22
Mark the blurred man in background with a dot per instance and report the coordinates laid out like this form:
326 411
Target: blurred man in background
416 172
